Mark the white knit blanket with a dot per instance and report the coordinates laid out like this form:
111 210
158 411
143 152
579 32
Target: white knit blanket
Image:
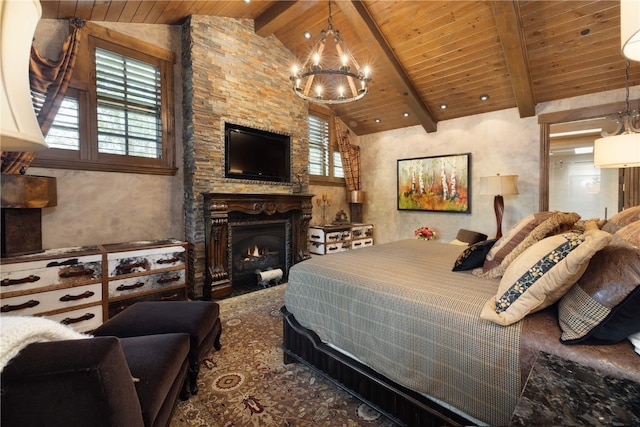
17 332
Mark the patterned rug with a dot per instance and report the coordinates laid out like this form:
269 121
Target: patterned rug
247 384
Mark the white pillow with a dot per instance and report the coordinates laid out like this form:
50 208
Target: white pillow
458 242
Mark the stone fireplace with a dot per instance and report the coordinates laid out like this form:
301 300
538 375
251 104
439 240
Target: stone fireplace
249 232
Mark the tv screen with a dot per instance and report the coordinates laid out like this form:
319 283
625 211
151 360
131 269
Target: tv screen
256 154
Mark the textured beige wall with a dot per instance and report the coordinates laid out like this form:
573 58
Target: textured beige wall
499 142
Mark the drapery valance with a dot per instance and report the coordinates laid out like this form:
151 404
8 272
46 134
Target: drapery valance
49 83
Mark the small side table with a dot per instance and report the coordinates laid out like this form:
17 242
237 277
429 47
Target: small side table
561 392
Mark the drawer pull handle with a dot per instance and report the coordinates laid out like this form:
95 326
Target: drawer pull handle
67 274
164 280
72 261
315 236
70 320
28 279
168 261
68 297
129 287
171 297
29 304
131 266
357 244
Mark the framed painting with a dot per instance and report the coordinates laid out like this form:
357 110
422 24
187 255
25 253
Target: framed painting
438 183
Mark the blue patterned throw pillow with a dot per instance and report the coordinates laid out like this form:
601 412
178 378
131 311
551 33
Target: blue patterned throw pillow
473 256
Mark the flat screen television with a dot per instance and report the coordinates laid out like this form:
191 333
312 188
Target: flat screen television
256 154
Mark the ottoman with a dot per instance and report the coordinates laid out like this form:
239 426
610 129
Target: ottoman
199 319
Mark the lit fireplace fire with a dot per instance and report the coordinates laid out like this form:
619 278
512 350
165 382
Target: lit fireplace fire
253 252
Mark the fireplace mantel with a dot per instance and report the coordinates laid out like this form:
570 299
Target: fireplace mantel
218 206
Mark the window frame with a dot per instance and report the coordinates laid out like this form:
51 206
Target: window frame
333 147
83 88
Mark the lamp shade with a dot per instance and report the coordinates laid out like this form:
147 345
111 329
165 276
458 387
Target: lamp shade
19 130
620 151
630 29
499 185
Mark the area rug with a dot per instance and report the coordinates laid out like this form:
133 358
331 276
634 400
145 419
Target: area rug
246 383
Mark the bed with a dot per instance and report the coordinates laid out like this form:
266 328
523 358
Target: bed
396 327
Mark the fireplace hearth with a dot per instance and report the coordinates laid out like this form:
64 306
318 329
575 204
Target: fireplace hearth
246 234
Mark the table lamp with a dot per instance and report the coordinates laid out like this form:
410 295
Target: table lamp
498 186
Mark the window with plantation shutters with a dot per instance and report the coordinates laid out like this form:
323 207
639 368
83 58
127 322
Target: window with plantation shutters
324 159
128 106
318 146
118 114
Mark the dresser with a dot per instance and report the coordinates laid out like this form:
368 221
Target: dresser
84 286
63 285
144 271
326 239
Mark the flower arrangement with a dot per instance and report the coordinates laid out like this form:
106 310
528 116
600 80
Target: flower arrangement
425 233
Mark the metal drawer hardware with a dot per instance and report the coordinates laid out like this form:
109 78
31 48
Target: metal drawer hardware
72 261
7 308
168 261
131 266
129 287
28 279
67 297
315 236
69 320
84 272
168 279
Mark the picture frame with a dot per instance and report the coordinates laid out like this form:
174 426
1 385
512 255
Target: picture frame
436 183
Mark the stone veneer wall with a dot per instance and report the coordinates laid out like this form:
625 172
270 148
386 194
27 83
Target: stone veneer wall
230 74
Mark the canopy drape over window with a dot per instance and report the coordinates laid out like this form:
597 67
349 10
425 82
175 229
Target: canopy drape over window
350 158
49 83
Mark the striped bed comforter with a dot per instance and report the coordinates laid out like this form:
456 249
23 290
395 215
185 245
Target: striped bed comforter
400 309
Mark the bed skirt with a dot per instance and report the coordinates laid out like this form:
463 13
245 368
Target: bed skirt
404 406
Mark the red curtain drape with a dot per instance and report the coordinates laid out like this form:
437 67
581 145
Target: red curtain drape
350 158
49 83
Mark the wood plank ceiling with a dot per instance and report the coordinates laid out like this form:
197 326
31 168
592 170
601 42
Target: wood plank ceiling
425 54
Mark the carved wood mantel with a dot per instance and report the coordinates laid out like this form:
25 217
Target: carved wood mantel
217 207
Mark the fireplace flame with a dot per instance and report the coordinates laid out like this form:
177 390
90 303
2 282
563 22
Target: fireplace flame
253 251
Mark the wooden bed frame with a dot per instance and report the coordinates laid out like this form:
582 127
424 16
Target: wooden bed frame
404 406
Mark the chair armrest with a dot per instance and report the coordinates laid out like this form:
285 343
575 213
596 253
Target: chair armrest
70 383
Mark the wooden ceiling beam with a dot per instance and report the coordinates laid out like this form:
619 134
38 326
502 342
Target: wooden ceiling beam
279 15
362 21
515 52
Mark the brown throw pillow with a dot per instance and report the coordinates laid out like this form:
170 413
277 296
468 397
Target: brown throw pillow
604 305
626 216
525 233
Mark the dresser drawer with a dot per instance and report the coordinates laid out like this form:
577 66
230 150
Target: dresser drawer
34 275
82 319
329 248
361 243
362 231
322 235
145 283
116 307
147 260
42 302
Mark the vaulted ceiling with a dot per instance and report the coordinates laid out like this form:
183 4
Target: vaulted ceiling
424 54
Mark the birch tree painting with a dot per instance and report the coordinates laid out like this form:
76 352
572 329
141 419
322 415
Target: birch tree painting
439 183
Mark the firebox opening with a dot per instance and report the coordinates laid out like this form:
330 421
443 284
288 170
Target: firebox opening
258 246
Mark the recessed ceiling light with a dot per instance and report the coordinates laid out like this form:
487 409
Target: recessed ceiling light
484 97
247 1
443 106
307 35
377 120
405 114
585 32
